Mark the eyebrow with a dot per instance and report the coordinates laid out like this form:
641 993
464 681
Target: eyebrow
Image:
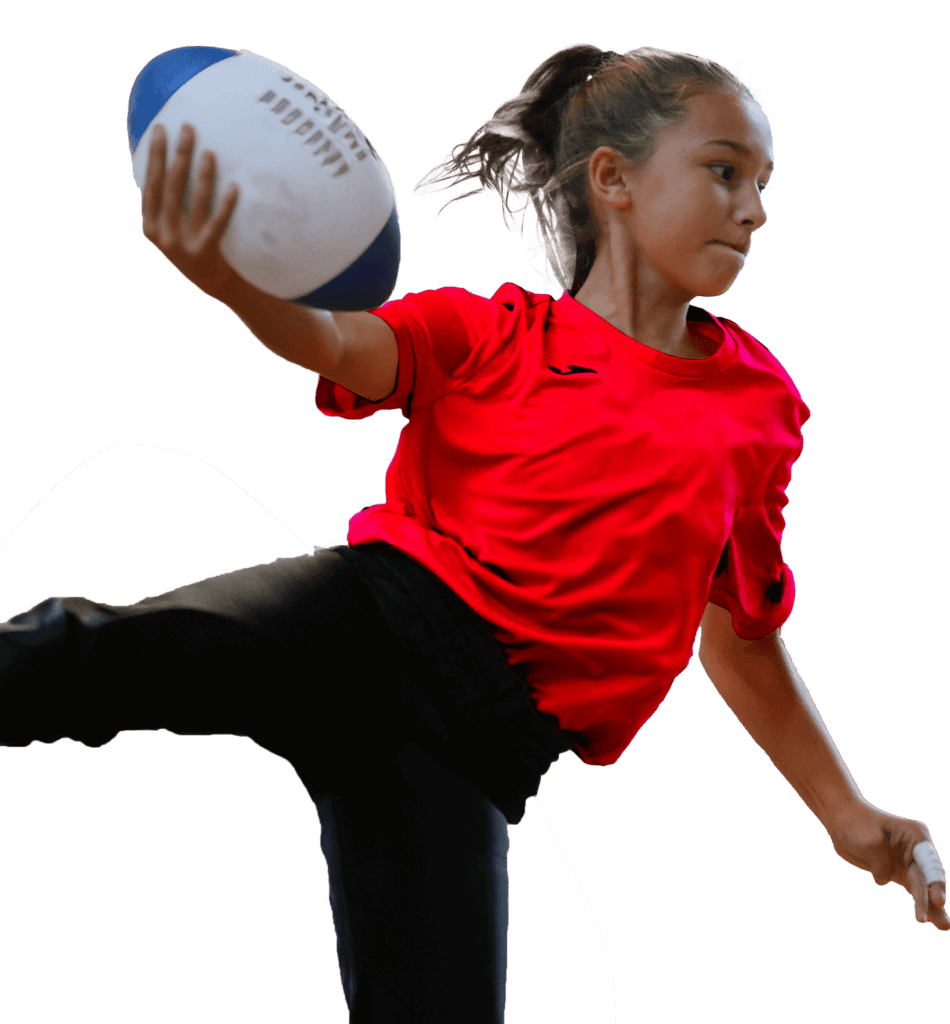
738 147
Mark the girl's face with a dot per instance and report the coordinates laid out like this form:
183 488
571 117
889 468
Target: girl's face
664 224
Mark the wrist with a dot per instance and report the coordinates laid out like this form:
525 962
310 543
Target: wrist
237 292
842 819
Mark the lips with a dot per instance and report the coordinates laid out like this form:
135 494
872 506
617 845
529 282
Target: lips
738 248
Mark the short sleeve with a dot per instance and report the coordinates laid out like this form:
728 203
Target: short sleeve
752 581
437 332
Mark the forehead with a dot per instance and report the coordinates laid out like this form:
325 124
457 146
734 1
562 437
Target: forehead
723 116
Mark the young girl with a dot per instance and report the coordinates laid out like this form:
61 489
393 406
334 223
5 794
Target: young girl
583 482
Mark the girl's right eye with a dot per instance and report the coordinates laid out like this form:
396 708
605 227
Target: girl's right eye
731 168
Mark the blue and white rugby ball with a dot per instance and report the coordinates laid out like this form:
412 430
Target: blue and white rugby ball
315 221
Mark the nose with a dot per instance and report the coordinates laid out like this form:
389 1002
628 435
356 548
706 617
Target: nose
754 209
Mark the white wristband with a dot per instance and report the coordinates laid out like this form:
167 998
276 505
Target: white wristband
927 860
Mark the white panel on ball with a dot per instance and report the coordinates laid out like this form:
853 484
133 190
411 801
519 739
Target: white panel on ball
313 193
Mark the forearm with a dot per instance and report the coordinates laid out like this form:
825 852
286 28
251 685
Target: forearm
765 692
299 334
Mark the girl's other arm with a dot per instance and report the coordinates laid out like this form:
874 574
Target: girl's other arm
758 681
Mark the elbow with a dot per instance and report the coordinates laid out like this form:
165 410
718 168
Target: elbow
719 657
719 642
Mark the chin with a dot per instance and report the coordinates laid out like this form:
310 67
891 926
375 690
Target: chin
711 289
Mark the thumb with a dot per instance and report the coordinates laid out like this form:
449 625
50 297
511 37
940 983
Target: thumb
881 868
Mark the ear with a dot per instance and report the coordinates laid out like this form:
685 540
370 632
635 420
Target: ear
608 176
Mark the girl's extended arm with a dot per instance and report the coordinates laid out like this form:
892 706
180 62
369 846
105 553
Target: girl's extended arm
758 681
357 350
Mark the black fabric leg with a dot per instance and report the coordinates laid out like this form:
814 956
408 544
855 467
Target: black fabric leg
296 656
293 654
418 868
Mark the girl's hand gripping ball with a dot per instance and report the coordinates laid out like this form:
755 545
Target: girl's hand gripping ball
316 222
190 240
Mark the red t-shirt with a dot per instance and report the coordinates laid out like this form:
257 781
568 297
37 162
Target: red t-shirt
579 490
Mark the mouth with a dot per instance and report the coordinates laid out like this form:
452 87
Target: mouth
728 246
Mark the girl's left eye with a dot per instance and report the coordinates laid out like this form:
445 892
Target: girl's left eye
731 168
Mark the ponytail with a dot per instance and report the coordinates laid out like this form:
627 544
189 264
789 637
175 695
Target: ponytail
576 101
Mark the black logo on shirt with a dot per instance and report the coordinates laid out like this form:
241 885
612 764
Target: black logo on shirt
572 369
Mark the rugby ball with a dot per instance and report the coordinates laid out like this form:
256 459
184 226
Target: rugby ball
315 221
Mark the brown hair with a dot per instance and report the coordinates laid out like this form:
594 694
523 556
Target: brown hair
573 103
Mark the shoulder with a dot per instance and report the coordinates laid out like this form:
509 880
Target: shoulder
515 298
452 302
761 358
745 335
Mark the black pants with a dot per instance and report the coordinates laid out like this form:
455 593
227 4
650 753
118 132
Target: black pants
296 656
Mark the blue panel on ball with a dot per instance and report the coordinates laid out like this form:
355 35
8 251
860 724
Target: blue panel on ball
367 282
163 76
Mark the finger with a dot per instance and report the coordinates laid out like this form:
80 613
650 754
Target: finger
919 891
222 218
200 205
154 178
937 910
177 180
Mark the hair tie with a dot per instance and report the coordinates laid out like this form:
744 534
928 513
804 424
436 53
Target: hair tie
545 134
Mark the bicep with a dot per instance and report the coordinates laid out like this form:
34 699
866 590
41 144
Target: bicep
369 363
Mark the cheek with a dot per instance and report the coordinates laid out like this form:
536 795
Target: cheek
690 216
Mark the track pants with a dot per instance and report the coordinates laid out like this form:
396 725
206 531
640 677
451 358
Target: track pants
296 656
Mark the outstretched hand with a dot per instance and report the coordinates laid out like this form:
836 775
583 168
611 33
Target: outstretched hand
884 844
192 240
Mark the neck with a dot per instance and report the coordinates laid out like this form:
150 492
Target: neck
654 319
